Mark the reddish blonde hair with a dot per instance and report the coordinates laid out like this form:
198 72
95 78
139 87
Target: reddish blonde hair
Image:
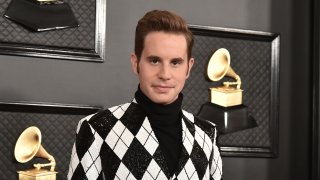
165 21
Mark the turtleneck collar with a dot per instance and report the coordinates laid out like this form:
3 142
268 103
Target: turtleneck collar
164 115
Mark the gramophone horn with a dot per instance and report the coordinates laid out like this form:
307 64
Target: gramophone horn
219 65
29 145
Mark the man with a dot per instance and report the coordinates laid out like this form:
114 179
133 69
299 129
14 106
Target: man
151 137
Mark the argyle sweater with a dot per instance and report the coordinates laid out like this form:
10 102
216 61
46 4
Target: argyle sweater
119 143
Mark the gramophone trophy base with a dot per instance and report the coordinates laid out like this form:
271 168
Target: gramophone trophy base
226 97
34 174
227 119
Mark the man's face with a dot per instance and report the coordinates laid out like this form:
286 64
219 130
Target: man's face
163 67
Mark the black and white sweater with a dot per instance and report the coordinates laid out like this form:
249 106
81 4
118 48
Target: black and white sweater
119 143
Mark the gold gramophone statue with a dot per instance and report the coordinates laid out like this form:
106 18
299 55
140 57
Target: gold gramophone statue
28 146
219 67
225 109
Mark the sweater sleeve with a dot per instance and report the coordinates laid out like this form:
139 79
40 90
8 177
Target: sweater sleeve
85 162
216 164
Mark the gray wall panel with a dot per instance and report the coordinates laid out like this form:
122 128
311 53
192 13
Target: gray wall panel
112 82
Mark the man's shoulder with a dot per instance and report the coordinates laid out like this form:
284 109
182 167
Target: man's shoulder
111 112
205 125
196 119
104 120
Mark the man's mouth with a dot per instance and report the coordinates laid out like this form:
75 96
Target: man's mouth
162 88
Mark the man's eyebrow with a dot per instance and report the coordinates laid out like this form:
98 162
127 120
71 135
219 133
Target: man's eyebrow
177 59
153 57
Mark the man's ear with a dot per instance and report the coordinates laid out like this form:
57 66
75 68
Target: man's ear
134 63
190 64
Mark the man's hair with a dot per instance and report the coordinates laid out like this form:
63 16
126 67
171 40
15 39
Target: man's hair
165 21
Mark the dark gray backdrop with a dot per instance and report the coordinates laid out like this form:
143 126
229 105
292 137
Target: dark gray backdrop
112 82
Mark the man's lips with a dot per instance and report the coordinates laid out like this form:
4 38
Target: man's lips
162 88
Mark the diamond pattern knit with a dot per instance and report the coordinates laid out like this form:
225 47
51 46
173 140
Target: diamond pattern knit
119 143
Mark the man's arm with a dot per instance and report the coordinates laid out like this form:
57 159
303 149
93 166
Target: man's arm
216 164
85 161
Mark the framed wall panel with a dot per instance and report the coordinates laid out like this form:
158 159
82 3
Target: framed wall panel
83 43
255 58
57 123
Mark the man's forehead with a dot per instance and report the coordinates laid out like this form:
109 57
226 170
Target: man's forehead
158 41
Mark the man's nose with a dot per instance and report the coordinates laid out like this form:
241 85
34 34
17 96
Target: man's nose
165 72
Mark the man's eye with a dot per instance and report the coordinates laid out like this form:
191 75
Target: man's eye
154 61
177 62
